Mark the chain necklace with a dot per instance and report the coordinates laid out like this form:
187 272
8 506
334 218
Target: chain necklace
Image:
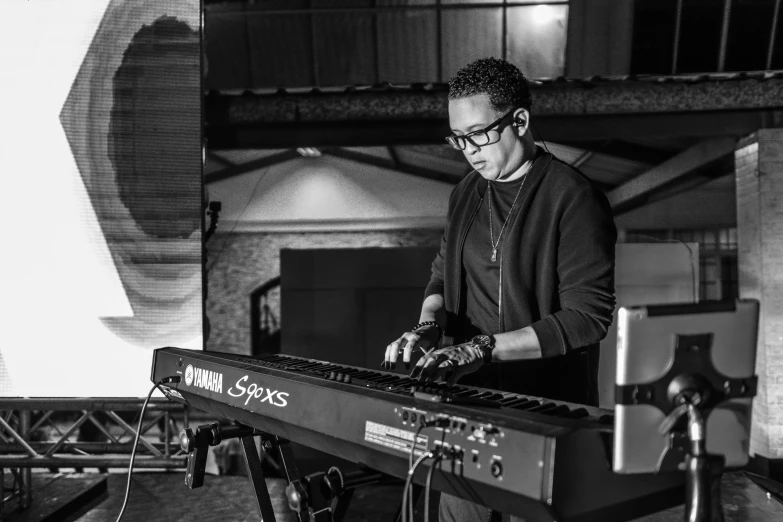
510 211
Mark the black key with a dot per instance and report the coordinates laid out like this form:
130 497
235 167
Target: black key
543 408
519 402
526 405
466 393
578 413
560 411
606 419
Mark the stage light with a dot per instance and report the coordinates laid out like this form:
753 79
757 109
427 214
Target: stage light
308 152
543 14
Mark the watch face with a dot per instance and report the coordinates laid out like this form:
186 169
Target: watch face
482 340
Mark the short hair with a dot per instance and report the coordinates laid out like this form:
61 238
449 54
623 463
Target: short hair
503 82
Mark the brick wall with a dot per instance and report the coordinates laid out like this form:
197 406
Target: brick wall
759 177
240 262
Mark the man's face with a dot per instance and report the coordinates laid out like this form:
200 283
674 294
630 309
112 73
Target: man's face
504 154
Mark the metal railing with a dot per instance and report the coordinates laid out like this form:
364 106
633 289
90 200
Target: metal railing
41 433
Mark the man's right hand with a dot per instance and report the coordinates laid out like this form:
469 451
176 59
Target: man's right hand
424 338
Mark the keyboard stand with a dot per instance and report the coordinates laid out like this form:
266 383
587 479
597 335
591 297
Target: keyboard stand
318 497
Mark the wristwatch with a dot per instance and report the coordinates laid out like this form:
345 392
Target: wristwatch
485 343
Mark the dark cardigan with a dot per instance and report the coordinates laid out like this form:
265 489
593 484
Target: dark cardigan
557 276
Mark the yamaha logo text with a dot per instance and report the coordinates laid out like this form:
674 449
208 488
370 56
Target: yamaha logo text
254 391
206 379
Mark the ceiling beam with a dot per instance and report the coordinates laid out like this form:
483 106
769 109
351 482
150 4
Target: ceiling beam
393 155
586 155
627 151
219 159
573 129
358 133
260 163
676 169
398 166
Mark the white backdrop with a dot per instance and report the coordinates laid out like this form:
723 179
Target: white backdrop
60 277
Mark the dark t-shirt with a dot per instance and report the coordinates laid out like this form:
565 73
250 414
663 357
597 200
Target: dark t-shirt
481 275
482 283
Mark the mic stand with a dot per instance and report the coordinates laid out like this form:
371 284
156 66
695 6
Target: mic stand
692 386
703 471
702 474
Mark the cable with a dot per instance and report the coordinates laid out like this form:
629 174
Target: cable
165 380
406 492
543 142
428 485
406 515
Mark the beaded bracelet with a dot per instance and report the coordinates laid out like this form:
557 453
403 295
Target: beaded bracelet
430 323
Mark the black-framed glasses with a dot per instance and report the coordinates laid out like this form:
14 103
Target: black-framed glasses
477 138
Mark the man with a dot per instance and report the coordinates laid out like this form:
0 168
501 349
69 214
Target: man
522 290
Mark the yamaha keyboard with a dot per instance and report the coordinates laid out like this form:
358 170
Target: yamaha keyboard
531 457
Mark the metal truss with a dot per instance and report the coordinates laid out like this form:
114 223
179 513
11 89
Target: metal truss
40 433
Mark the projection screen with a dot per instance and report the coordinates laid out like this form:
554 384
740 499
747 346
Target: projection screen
102 153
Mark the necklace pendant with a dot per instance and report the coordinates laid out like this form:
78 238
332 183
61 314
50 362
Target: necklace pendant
494 254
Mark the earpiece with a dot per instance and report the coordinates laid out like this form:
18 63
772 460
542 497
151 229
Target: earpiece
519 121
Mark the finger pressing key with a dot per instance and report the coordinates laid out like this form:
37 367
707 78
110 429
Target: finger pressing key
408 351
419 365
391 355
430 368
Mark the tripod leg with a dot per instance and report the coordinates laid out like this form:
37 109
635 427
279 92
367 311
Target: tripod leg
256 474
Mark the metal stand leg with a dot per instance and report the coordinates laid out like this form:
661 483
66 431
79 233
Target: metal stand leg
702 488
702 474
256 474
295 491
319 497
2 493
25 474
197 445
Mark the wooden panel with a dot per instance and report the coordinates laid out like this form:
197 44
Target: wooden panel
323 324
356 268
346 305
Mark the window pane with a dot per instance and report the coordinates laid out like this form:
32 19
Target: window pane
280 50
653 36
345 48
336 4
699 36
750 27
407 46
536 39
452 2
709 239
403 3
468 35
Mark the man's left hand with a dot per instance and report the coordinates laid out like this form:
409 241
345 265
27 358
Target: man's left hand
448 364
